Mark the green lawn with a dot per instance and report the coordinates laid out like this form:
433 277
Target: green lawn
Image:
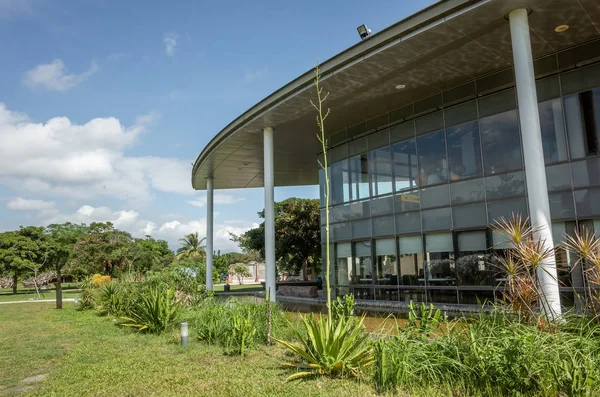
89 355
241 288
27 294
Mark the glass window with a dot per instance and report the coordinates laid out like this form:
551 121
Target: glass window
359 177
464 151
409 222
438 219
380 167
586 173
322 186
341 231
360 209
382 206
506 208
470 215
340 213
501 143
383 226
473 265
553 131
460 113
569 274
343 263
437 196
362 273
433 165
561 205
405 165
467 191
587 202
411 260
558 177
407 201
387 262
340 182
583 123
505 185
431 122
361 229
498 102
439 259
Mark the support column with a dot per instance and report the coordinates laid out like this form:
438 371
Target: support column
533 154
269 180
209 233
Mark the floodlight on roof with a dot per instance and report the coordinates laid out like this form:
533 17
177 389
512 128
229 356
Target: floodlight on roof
363 31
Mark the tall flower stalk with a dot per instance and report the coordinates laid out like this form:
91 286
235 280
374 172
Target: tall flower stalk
321 117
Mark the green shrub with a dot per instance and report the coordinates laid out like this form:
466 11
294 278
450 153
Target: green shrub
152 311
242 335
189 290
341 309
331 348
89 295
114 299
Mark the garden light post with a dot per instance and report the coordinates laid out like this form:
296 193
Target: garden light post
184 333
269 213
209 233
533 154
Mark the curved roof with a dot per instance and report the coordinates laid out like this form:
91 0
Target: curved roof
448 43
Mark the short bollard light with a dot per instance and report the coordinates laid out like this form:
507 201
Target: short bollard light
76 302
184 333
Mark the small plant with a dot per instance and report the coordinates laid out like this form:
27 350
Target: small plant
330 348
342 309
573 378
153 311
243 332
89 294
99 280
422 320
112 299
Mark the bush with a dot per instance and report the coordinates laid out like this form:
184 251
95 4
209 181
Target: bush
99 280
115 298
189 290
153 311
89 294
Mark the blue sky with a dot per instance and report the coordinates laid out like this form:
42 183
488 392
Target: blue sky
105 104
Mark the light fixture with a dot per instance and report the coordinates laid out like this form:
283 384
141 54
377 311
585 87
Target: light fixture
400 86
561 28
363 31
184 333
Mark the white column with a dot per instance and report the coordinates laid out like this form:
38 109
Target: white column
535 171
209 233
269 214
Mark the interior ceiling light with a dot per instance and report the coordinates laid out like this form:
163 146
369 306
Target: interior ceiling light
561 28
400 86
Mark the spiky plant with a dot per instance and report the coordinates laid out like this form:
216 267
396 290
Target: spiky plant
587 246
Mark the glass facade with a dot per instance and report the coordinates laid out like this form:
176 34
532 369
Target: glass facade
412 203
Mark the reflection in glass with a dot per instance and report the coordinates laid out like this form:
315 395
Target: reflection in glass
583 123
586 173
359 177
362 273
433 165
438 219
387 262
501 142
343 263
411 260
464 152
405 164
380 167
436 196
553 131
586 202
339 179
505 185
439 255
467 191
473 265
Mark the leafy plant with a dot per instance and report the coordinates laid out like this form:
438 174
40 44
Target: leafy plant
573 378
113 299
422 320
89 294
154 311
342 309
242 333
331 348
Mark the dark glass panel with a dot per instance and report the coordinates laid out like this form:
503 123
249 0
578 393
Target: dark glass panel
383 226
438 219
505 208
501 143
587 202
407 201
505 185
359 177
380 167
558 177
467 191
464 150
440 266
470 215
382 206
436 196
343 263
553 131
339 182
405 164
586 173
386 262
561 205
409 222
361 229
433 165
411 260
473 265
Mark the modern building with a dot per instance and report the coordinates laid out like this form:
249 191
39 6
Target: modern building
463 113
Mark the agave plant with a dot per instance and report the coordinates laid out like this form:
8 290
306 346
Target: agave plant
153 311
331 348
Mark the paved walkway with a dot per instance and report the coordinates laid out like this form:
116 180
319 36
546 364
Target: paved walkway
40 300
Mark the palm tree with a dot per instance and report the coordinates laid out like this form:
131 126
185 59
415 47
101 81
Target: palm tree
191 247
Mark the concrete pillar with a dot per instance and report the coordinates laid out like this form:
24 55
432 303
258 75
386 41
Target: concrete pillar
269 179
533 154
209 233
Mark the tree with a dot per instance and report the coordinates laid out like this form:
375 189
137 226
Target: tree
148 254
103 249
191 247
240 270
62 240
297 236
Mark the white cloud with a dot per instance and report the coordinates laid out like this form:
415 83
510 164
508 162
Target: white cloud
21 204
170 231
219 199
170 42
54 76
251 75
84 161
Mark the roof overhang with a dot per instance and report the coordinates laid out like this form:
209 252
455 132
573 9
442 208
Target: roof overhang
442 46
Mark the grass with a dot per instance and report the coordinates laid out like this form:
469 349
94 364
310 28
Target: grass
27 294
240 288
89 355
